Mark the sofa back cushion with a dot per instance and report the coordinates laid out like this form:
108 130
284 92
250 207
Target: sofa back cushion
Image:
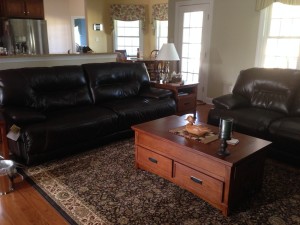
116 80
295 109
44 88
272 89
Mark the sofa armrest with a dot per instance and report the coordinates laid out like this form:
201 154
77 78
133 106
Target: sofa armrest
230 101
21 115
157 93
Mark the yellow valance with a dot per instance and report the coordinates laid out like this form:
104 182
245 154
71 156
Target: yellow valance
261 4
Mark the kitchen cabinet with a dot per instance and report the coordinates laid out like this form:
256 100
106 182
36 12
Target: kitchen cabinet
23 9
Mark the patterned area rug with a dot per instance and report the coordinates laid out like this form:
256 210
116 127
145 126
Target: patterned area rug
102 186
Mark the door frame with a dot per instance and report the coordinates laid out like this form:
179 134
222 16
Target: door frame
206 39
73 18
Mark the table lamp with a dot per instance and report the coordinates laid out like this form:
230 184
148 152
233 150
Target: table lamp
167 53
225 131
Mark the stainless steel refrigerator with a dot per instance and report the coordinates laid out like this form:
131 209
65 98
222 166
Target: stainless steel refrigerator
25 36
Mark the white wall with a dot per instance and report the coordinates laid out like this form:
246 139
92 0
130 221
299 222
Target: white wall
58 14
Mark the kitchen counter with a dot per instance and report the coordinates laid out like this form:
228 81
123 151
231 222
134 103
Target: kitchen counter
19 61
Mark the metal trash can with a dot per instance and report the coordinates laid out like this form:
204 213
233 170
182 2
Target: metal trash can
8 172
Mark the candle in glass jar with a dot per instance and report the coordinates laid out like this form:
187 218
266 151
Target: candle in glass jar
225 128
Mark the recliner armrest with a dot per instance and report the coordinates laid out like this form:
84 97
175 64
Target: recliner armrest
20 115
157 93
230 101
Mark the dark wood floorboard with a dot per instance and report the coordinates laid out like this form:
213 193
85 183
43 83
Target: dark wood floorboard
25 206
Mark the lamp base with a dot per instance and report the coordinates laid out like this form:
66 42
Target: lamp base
222 150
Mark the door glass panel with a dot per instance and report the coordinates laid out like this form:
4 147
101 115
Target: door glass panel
191 45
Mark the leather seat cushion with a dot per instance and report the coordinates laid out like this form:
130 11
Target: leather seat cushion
287 128
68 127
251 121
138 109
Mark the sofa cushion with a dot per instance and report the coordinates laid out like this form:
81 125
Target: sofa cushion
22 115
251 121
271 89
109 81
157 93
230 101
295 109
138 109
67 127
287 128
44 88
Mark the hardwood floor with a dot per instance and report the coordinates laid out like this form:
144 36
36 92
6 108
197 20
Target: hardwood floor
25 206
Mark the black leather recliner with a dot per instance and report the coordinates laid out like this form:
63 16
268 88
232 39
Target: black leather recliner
265 103
65 109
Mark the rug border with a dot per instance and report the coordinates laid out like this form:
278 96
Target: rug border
62 212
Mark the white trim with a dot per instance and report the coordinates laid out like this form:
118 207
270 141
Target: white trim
53 57
9 62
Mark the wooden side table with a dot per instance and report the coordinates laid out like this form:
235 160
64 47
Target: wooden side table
4 146
185 96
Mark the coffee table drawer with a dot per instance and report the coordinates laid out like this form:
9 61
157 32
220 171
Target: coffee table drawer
199 183
154 162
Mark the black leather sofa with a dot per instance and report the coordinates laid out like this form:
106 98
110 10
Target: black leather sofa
65 109
265 103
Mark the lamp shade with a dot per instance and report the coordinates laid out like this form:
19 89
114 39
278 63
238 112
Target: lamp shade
168 53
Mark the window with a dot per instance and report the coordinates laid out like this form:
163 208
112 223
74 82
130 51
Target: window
161 33
279 39
127 36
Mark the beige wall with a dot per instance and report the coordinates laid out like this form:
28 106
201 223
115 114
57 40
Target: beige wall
76 7
95 13
233 43
58 25
58 14
98 11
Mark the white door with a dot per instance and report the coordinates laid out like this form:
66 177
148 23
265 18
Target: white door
192 39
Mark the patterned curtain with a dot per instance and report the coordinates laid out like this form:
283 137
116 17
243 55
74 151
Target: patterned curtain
128 13
261 4
159 12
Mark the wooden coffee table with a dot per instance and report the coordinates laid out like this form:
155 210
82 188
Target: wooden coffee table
221 181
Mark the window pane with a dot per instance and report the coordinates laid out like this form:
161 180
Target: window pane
161 33
275 27
295 31
195 35
186 19
121 31
196 19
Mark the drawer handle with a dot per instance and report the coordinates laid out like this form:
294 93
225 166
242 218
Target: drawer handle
152 160
186 103
196 180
